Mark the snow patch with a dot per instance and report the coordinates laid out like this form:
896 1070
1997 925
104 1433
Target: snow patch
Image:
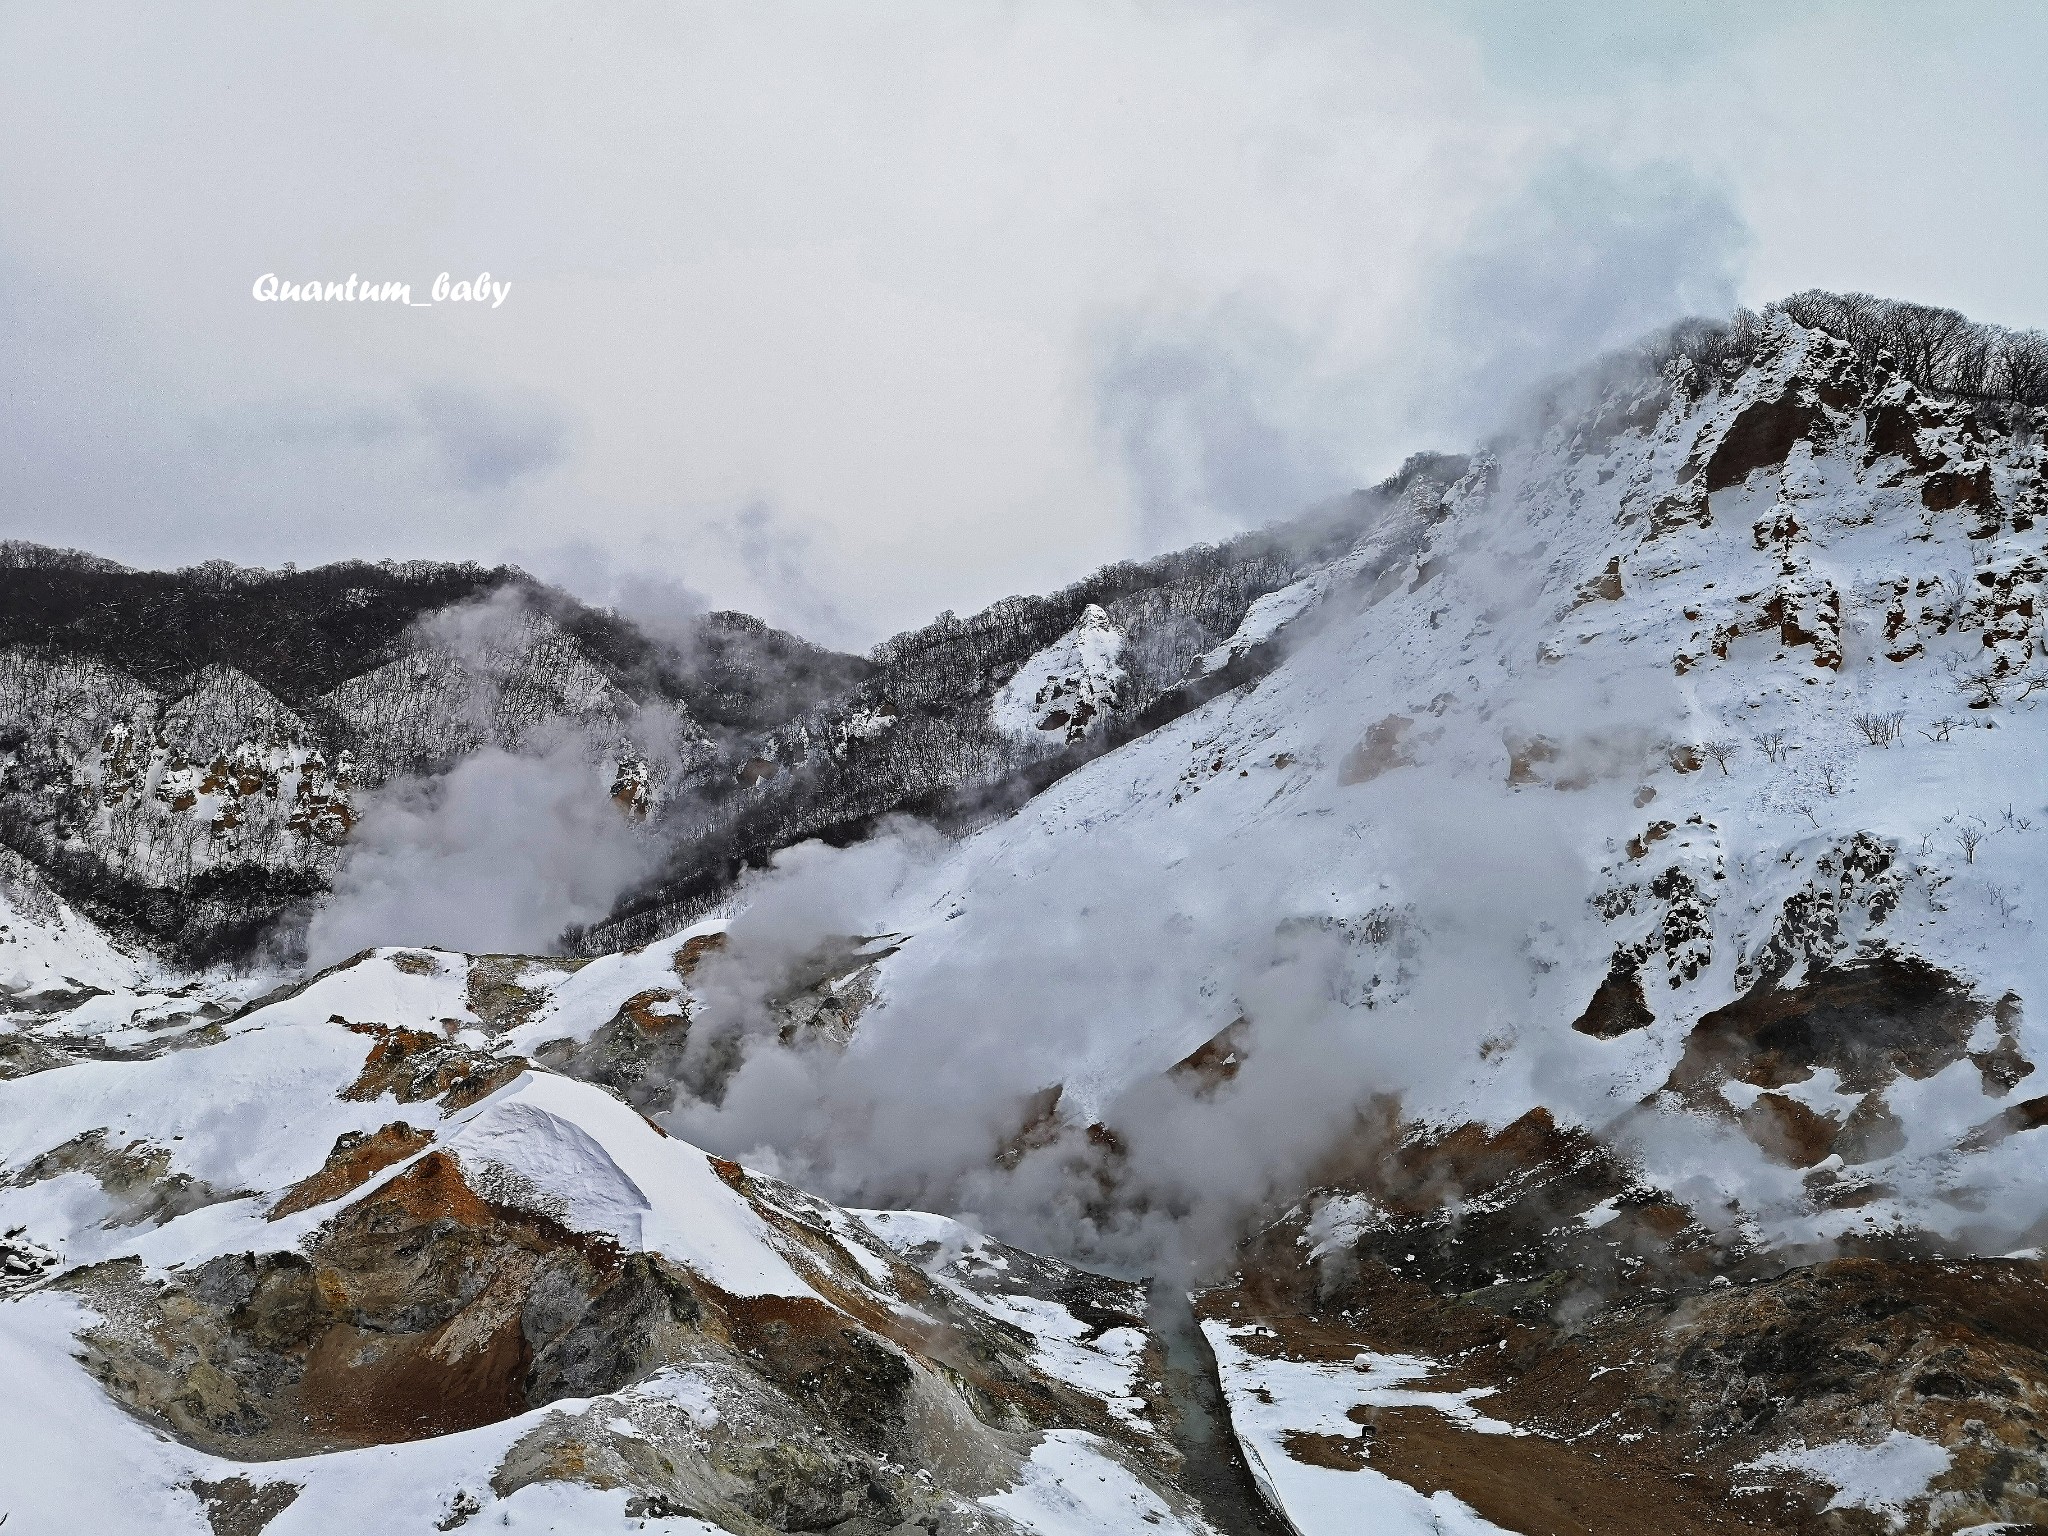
1073 1486
1883 1478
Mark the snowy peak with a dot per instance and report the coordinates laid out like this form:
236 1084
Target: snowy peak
1601 940
1068 689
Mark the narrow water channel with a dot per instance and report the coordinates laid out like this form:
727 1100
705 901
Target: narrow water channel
1216 1472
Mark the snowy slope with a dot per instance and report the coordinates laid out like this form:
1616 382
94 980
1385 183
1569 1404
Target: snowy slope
1434 801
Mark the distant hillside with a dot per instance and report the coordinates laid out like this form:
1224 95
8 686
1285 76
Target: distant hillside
183 751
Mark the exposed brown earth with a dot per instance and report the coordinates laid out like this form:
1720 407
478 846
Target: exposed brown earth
1216 1060
496 993
357 1158
427 1307
1379 751
1617 1006
692 951
1759 437
1873 1020
1644 1391
237 1507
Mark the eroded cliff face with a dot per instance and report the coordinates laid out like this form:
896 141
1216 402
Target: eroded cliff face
189 757
1604 1319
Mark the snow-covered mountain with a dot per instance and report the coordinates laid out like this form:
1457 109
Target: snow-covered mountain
344 1255
1598 962
1554 991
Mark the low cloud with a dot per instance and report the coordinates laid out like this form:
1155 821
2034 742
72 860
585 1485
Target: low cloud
779 555
1588 257
639 586
1201 418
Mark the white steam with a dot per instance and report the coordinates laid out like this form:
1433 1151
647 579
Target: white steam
499 855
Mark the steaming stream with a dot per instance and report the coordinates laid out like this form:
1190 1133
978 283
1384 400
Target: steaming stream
1200 1424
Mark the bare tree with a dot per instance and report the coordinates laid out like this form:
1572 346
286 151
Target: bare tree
1927 340
1830 777
1969 838
1936 348
1983 686
1970 361
1955 590
2023 368
1720 752
1772 744
1880 730
1939 731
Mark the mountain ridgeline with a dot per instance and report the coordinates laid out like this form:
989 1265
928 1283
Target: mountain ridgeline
187 754
939 729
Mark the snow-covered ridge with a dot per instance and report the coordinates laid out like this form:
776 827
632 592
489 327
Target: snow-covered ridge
1665 714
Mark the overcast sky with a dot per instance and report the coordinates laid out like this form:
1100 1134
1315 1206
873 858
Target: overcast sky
847 313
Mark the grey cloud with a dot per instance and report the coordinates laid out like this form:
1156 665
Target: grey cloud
777 552
445 436
105 444
1580 47
641 584
488 441
1233 417
979 304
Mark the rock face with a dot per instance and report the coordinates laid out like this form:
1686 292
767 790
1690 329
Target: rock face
1587 1356
1067 688
187 753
